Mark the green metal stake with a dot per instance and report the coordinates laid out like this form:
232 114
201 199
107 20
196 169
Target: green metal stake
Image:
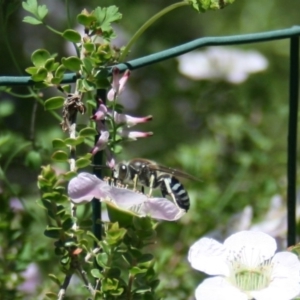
292 140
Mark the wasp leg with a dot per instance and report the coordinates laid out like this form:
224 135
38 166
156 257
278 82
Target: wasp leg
166 190
135 182
151 184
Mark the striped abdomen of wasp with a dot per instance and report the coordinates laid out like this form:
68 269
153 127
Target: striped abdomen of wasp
147 173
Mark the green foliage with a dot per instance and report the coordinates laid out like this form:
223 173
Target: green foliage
204 5
39 11
230 136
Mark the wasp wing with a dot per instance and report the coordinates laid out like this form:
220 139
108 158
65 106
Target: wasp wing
176 173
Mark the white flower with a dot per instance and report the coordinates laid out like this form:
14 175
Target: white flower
84 187
246 268
227 64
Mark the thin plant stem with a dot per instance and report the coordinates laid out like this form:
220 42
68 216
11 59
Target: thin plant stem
148 24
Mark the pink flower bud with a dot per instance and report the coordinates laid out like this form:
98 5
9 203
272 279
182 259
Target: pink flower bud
130 121
101 143
117 84
134 135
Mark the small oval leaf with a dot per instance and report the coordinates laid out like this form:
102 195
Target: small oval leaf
58 143
40 75
72 36
72 63
60 71
86 20
54 103
31 70
74 142
89 131
82 162
60 156
39 57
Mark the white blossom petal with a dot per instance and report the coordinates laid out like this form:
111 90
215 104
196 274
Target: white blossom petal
285 281
218 288
255 246
209 256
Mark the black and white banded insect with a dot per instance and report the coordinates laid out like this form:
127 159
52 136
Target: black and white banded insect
147 173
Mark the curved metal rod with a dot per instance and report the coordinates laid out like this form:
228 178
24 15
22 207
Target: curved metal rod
175 51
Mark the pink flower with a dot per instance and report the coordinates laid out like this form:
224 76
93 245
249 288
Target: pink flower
130 121
101 143
101 112
134 135
84 187
117 84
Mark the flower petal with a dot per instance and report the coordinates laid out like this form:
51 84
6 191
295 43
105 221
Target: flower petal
84 187
209 256
255 246
218 288
163 209
285 281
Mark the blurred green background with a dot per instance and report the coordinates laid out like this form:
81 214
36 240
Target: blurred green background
233 137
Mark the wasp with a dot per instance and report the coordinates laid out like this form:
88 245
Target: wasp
149 174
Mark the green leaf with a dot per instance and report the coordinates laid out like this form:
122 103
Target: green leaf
96 273
72 63
50 64
107 15
67 224
40 75
31 70
30 5
39 11
82 162
72 36
54 279
58 143
33 160
88 131
54 103
102 259
40 57
85 85
87 65
69 175
85 19
137 270
60 156
42 11
60 71
7 108
53 232
51 295
31 20
74 142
